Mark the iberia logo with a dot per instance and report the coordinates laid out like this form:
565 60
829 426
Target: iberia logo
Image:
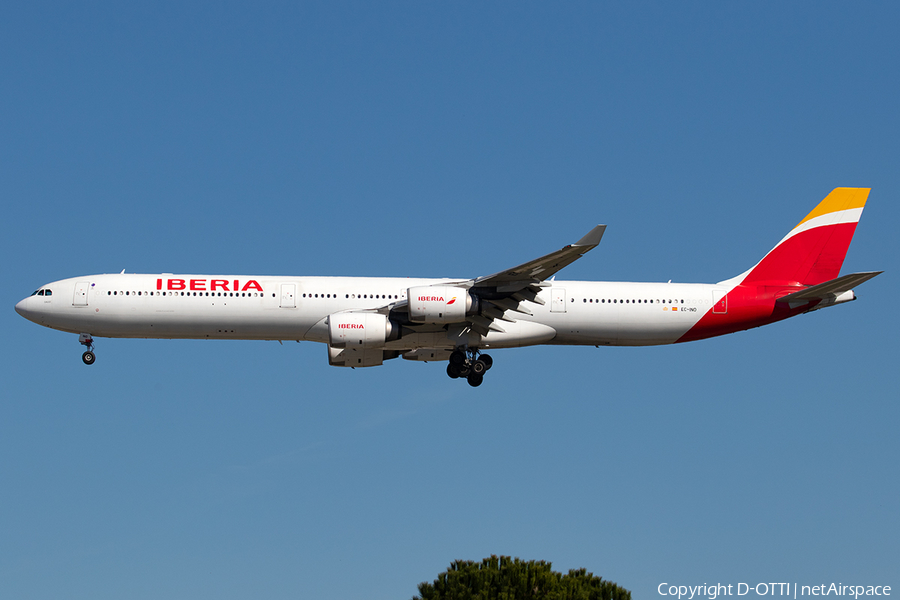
452 300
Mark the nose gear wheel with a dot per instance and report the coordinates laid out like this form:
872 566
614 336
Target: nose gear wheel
87 341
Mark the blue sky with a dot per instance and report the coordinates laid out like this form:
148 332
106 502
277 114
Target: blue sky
428 139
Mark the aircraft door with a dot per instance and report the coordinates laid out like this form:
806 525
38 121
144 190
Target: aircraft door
288 295
558 300
81 292
720 302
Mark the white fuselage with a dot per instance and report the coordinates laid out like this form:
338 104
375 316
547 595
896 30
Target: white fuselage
297 308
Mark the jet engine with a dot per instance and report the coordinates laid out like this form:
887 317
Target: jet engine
356 339
360 330
440 304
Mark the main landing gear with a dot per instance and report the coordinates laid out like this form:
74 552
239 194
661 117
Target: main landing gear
87 341
469 363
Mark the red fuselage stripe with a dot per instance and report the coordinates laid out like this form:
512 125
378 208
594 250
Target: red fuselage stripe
807 258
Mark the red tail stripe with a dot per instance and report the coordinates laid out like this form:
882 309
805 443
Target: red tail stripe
809 257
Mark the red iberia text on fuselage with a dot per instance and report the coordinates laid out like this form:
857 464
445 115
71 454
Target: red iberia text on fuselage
209 285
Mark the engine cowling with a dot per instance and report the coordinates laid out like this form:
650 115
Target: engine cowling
428 354
356 339
360 330
440 304
355 357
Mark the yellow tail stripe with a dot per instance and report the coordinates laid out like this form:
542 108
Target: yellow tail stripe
839 199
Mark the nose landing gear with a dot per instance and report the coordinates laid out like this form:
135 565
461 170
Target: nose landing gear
469 363
87 341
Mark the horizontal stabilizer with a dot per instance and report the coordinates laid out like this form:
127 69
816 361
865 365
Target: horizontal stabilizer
830 289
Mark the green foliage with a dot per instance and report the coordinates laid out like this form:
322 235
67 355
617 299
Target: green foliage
505 578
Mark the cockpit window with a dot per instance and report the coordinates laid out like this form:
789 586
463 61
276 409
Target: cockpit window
41 293
48 292
34 293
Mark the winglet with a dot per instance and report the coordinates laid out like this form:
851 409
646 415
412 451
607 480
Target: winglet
592 238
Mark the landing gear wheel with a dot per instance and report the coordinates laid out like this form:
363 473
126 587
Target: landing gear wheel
457 358
487 360
478 367
87 341
453 371
475 380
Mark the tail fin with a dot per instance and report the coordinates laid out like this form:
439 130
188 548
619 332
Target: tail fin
814 250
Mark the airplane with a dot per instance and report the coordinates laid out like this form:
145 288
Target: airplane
366 320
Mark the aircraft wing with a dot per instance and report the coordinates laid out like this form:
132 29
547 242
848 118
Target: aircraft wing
539 269
508 291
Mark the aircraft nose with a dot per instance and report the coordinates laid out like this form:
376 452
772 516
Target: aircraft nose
22 309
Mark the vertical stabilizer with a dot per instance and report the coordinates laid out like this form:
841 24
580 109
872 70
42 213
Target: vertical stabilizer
814 250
